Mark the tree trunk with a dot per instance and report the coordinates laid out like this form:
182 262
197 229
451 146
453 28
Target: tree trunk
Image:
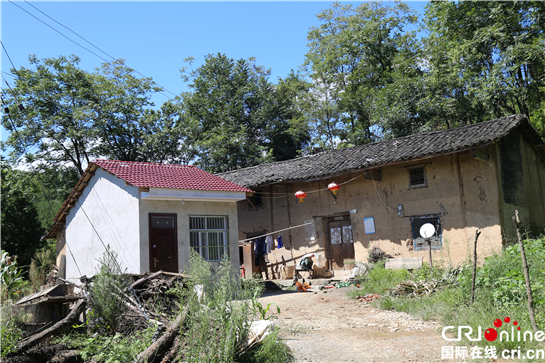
477 233
156 348
526 273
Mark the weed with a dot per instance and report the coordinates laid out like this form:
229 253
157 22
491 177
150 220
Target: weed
105 299
271 350
262 312
296 329
40 265
117 348
219 320
379 279
12 284
10 332
500 292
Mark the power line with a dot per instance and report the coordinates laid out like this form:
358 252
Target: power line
132 69
7 54
64 26
73 41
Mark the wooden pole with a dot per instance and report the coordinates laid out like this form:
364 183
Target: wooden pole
526 271
477 233
429 254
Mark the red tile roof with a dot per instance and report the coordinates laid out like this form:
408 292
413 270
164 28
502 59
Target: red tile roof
156 175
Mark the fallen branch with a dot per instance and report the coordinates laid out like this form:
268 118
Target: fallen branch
59 328
156 348
147 278
171 355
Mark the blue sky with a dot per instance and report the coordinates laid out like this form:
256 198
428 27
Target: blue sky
155 37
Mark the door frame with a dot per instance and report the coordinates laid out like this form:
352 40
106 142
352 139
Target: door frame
150 215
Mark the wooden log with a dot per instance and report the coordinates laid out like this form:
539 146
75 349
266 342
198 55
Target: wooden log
160 344
173 352
147 278
59 328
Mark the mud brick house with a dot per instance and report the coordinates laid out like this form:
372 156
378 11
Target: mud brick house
464 179
149 214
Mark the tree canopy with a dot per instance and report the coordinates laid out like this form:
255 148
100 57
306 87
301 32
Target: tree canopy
62 115
235 118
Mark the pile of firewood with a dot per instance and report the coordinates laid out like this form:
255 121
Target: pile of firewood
426 287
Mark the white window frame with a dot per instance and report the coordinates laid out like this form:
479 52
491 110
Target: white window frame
204 227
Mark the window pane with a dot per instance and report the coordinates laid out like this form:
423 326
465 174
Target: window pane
209 233
335 235
347 234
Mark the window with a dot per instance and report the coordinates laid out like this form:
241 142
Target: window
419 242
209 236
417 177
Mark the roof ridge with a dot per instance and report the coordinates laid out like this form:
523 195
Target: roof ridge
144 163
401 149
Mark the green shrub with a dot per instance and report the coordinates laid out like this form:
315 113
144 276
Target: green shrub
109 349
10 332
12 284
41 264
106 299
218 323
501 278
500 292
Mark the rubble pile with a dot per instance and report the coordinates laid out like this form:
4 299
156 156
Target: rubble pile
368 298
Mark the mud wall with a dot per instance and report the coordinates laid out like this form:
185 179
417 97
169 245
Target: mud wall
466 187
522 184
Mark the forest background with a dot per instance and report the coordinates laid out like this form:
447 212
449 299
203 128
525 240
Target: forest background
372 71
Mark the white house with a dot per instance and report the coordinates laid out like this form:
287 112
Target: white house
150 214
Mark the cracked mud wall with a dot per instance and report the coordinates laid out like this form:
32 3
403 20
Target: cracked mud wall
466 186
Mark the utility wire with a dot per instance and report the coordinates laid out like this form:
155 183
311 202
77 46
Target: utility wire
64 26
132 69
7 54
73 41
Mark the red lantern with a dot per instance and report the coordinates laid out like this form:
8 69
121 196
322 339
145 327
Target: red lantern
301 195
334 187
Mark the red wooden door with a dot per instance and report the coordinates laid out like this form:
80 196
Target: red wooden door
341 244
163 242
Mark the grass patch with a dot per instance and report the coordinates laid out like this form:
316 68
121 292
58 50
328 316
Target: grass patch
379 280
500 292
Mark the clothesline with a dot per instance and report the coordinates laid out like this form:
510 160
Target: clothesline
280 230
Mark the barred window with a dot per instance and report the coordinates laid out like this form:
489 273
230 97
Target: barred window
436 241
209 236
417 177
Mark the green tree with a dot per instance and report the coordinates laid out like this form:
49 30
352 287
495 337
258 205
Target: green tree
234 117
359 59
72 116
21 229
486 60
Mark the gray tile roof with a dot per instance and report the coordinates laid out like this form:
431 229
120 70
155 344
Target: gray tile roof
335 162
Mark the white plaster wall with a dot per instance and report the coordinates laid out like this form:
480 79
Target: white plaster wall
183 211
112 208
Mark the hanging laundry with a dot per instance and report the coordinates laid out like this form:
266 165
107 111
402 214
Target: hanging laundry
260 249
280 244
269 243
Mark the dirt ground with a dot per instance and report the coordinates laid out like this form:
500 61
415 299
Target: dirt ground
330 327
